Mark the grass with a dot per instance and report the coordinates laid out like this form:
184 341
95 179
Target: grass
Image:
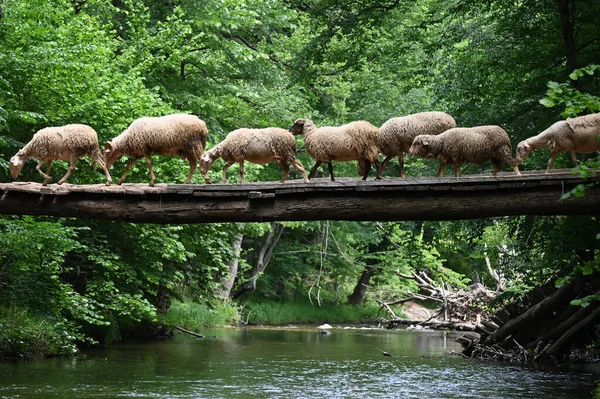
302 311
195 316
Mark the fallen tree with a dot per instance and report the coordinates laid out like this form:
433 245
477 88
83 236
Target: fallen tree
546 325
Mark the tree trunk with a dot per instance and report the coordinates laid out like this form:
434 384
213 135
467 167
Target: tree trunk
566 25
264 257
163 300
360 290
493 273
227 283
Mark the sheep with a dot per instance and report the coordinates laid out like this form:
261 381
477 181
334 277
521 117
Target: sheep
353 141
179 135
67 143
258 146
397 134
574 135
475 145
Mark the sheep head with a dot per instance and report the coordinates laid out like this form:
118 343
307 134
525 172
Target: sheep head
298 127
421 146
111 155
16 163
523 151
206 161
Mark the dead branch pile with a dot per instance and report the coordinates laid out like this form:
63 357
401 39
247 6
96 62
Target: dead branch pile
467 305
459 309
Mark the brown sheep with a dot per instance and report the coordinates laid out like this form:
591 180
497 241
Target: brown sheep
397 134
353 141
67 143
259 146
573 135
179 135
474 145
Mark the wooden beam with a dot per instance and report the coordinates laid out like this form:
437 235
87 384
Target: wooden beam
421 198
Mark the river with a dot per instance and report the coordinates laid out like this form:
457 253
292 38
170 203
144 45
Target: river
291 363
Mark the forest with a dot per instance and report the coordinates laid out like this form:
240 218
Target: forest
68 282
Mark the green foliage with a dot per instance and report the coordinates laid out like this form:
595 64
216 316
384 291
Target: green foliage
26 336
574 101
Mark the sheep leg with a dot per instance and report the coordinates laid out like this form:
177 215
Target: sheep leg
47 177
440 172
105 169
457 166
551 161
224 180
149 164
242 171
367 169
497 165
192 162
286 170
330 167
129 165
48 166
574 158
70 171
313 171
402 170
382 166
300 168
516 169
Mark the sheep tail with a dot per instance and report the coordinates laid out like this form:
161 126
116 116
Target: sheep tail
508 158
197 145
97 160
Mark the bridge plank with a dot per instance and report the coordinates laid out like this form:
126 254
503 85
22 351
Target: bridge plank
414 198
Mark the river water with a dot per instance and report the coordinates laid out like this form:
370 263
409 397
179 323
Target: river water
291 363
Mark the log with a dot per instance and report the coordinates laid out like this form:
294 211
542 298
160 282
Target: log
434 324
447 198
387 307
189 332
569 335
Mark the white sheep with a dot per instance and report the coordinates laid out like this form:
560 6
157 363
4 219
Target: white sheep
179 135
353 141
573 135
259 146
67 143
397 134
474 145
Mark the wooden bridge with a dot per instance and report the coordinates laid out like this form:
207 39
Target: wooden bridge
418 198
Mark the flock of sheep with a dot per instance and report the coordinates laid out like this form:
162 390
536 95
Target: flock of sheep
426 134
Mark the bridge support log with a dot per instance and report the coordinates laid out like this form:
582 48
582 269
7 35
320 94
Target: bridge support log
447 198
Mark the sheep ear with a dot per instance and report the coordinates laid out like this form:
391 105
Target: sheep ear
425 143
551 145
205 157
526 144
14 161
108 147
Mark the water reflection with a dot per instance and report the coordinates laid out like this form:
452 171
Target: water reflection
296 363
